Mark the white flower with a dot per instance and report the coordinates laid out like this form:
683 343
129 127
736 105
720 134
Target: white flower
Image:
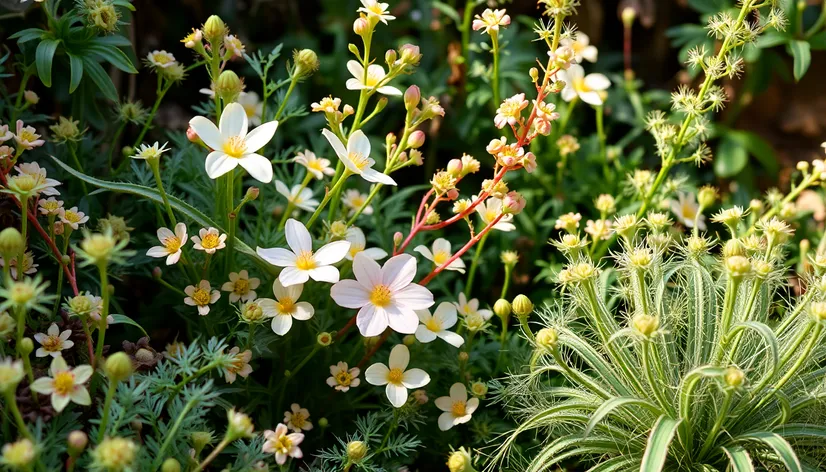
65 384
385 296
53 341
471 308
491 20
29 267
298 419
150 152
342 378
353 199
489 209
685 208
72 217
240 365
285 307
242 286
394 375
375 77
171 244
27 137
375 9
317 166
580 44
590 88
233 146
160 59
358 243
440 254
302 264
281 444
356 156
209 240
201 296
253 107
437 325
457 408
510 111
50 206
298 196
33 170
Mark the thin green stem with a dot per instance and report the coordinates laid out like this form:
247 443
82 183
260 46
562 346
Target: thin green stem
331 194
161 89
475 263
718 423
220 447
107 403
11 404
104 314
373 192
291 203
494 38
170 435
155 165
659 391
27 73
73 153
466 20
293 81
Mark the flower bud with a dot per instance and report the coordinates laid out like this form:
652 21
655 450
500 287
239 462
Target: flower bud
324 339
737 266
547 338
118 367
412 97
463 356
734 377
7 325
502 308
78 440
31 97
252 194
409 340
390 57
420 396
460 461
416 139
454 167
646 325
228 86
239 425
26 346
171 465
534 73
200 440
323 422
818 311
398 237
479 389
356 451
306 63
707 196
513 203
629 14
192 136
214 30
522 306
19 455
11 243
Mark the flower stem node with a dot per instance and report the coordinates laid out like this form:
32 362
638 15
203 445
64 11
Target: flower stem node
522 306
547 338
171 465
356 451
118 367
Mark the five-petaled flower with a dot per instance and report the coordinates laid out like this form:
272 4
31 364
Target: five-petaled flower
201 296
356 156
341 378
315 165
298 418
457 408
298 195
240 365
209 240
375 9
589 88
241 286
396 376
440 254
437 325
64 384
491 20
285 307
301 263
374 79
171 244
282 444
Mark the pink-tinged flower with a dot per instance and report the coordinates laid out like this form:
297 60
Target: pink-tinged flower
5 134
513 203
298 419
457 408
489 209
510 155
29 267
437 325
396 376
440 253
300 263
282 444
341 378
209 240
233 146
234 45
72 217
374 79
50 206
491 20
171 244
38 173
599 229
528 162
377 10
64 384
384 295
496 145
240 365
27 137
589 88
201 296
241 286
52 342
581 45
510 111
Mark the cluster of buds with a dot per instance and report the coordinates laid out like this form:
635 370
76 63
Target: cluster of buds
100 14
330 107
403 60
511 155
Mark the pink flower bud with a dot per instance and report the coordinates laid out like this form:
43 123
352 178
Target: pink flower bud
529 162
496 145
412 97
398 238
513 203
361 26
192 135
416 139
454 167
452 194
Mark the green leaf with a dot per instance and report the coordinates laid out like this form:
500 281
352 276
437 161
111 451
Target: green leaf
690 380
123 319
768 336
771 39
27 35
448 11
801 51
731 158
114 40
43 58
114 56
610 405
818 41
101 79
739 459
658 443
76 72
802 430
757 147
780 446
709 7
180 206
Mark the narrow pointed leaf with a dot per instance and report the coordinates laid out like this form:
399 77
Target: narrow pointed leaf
617 402
658 443
739 459
780 446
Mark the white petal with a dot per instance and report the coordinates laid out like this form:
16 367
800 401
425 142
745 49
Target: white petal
389 90
591 98
590 54
332 252
258 166
444 403
303 311
446 314
233 121
414 297
355 84
293 292
424 251
292 276
374 253
415 378
81 396
458 392
402 321
396 394
424 335
298 238
327 274
358 143
260 136
217 164
350 294
372 175
399 357
597 82
336 143
356 69
367 271
281 324
472 405
441 245
207 131
376 374
371 321
451 338
281 188
399 271
568 93
277 256
446 421
157 251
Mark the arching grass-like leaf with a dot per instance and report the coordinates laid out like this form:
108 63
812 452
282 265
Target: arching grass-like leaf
658 443
739 459
768 336
780 446
617 402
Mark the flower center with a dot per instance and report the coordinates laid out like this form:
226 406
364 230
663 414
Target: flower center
249 110
52 343
27 136
163 58
355 249
305 261
315 165
439 257
381 296
172 244
344 378
358 159
210 241
286 306
433 325
458 409
298 420
71 216
200 297
580 86
689 211
51 207
242 287
283 444
491 215
64 383
395 376
237 364
235 146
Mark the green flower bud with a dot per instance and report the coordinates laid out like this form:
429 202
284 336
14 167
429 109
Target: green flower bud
460 461
356 451
734 377
77 442
118 367
502 308
323 422
171 465
228 86
305 63
646 325
11 243
547 338
26 346
522 305
324 339
214 30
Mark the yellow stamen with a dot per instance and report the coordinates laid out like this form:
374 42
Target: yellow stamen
381 296
235 146
172 244
305 261
64 383
395 376
286 306
200 297
52 343
458 409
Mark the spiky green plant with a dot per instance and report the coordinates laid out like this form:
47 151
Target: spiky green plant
696 362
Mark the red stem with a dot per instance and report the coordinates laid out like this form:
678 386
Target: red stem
464 249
